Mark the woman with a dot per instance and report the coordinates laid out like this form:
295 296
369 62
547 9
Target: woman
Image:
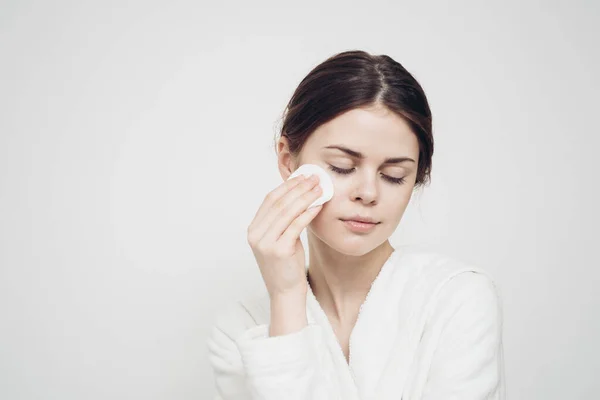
364 320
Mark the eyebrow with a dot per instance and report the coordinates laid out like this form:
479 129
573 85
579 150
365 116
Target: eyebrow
356 154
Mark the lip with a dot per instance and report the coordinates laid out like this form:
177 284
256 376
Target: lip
360 218
358 226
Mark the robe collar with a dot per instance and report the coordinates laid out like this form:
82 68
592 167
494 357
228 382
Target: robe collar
361 375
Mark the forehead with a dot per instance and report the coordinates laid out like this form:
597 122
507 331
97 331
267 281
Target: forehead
376 132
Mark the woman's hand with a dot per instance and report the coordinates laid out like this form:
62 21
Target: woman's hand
274 235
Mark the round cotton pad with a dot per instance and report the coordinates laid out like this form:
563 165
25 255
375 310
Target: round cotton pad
324 181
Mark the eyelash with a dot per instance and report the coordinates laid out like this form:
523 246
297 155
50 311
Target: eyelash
398 181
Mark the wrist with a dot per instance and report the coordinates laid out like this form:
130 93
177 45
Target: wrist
288 313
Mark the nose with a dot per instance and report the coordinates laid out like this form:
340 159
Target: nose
365 188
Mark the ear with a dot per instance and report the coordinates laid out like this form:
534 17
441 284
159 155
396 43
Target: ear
286 161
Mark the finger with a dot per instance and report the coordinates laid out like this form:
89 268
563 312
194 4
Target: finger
289 214
278 209
292 233
274 196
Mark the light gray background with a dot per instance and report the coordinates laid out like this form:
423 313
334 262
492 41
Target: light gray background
136 146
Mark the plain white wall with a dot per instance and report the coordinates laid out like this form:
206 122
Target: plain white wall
136 146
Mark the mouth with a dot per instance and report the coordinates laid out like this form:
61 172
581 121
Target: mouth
359 225
361 219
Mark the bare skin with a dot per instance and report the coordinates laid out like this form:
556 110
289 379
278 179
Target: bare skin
343 315
342 263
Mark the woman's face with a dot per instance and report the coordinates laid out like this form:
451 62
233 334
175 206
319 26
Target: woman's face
365 184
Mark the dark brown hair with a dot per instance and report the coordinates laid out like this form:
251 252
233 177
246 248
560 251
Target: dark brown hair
354 79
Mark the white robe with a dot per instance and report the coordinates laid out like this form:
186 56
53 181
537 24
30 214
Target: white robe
429 329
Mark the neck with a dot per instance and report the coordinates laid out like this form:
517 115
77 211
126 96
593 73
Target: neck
341 282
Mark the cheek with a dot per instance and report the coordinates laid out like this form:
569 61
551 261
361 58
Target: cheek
328 214
341 191
395 211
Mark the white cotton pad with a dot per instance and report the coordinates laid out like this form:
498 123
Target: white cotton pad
324 181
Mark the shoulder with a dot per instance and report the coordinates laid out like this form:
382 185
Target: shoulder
465 292
236 317
444 270
448 282
468 282
230 322
475 289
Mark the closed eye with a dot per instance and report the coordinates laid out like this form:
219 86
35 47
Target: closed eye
344 171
